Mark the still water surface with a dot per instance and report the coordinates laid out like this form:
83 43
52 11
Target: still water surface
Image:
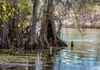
84 56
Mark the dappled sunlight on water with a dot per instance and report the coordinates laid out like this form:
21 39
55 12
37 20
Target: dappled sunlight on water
84 56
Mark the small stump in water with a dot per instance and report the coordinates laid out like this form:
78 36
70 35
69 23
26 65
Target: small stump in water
72 45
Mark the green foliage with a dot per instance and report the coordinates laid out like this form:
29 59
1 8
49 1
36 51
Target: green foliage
7 11
25 8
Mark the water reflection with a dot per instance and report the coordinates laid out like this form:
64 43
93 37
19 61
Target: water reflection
38 62
84 56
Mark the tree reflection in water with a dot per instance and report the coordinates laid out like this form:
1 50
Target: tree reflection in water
38 62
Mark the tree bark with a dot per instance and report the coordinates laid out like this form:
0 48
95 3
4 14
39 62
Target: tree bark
48 33
33 37
48 28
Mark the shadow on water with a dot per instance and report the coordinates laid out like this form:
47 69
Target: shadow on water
84 56
43 61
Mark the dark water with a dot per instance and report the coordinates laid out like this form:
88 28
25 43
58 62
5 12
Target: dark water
84 56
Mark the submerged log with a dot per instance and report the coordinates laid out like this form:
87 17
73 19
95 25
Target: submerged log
61 43
9 65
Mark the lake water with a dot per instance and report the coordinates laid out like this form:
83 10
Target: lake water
84 56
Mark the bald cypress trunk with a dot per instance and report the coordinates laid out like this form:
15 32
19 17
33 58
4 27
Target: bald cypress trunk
48 28
33 37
